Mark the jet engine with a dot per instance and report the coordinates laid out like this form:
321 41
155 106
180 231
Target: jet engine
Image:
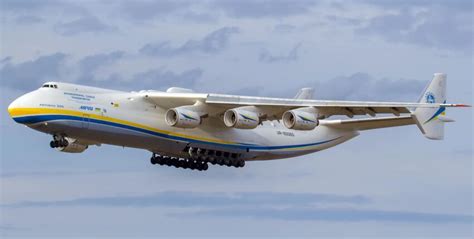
300 120
182 118
241 119
69 145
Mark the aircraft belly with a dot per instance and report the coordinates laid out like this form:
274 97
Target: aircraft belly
257 144
103 134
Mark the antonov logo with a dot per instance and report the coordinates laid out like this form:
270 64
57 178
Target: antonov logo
430 98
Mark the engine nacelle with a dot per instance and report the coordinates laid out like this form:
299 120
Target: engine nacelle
182 118
73 146
241 119
300 120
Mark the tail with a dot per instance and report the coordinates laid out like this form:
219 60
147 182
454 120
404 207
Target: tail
431 120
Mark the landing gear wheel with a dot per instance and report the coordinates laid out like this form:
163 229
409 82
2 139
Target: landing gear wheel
63 143
241 163
52 144
166 161
202 166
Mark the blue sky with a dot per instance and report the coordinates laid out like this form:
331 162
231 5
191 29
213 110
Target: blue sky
385 183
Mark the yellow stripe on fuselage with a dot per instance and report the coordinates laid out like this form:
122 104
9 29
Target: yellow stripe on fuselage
20 112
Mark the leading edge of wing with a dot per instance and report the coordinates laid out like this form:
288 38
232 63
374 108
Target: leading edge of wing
266 101
164 98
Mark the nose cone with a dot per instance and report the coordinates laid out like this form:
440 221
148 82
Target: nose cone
12 107
16 108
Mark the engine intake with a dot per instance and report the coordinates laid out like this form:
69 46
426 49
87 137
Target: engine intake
300 120
182 118
241 119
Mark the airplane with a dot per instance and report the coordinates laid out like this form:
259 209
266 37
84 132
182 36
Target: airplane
190 130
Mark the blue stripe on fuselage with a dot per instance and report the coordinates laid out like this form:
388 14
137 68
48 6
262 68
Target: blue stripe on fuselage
45 118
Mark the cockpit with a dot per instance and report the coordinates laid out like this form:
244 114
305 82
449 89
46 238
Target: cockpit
49 86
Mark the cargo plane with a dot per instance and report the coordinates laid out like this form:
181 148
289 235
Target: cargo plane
190 130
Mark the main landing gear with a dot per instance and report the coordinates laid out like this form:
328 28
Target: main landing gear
179 162
216 157
199 159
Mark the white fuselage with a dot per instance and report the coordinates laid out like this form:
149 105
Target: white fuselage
100 116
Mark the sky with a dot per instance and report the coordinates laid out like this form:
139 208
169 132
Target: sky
384 183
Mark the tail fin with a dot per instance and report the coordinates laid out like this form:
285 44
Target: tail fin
305 94
431 120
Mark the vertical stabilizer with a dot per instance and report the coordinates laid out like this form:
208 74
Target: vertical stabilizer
428 119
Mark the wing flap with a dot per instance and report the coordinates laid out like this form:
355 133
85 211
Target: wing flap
372 123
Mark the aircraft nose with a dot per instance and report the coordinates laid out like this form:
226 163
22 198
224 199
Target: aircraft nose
14 109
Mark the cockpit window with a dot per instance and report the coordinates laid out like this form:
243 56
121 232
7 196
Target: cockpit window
50 86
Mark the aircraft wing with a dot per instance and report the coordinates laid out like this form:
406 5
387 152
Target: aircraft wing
326 108
275 107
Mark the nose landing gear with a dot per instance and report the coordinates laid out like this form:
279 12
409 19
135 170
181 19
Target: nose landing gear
58 142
